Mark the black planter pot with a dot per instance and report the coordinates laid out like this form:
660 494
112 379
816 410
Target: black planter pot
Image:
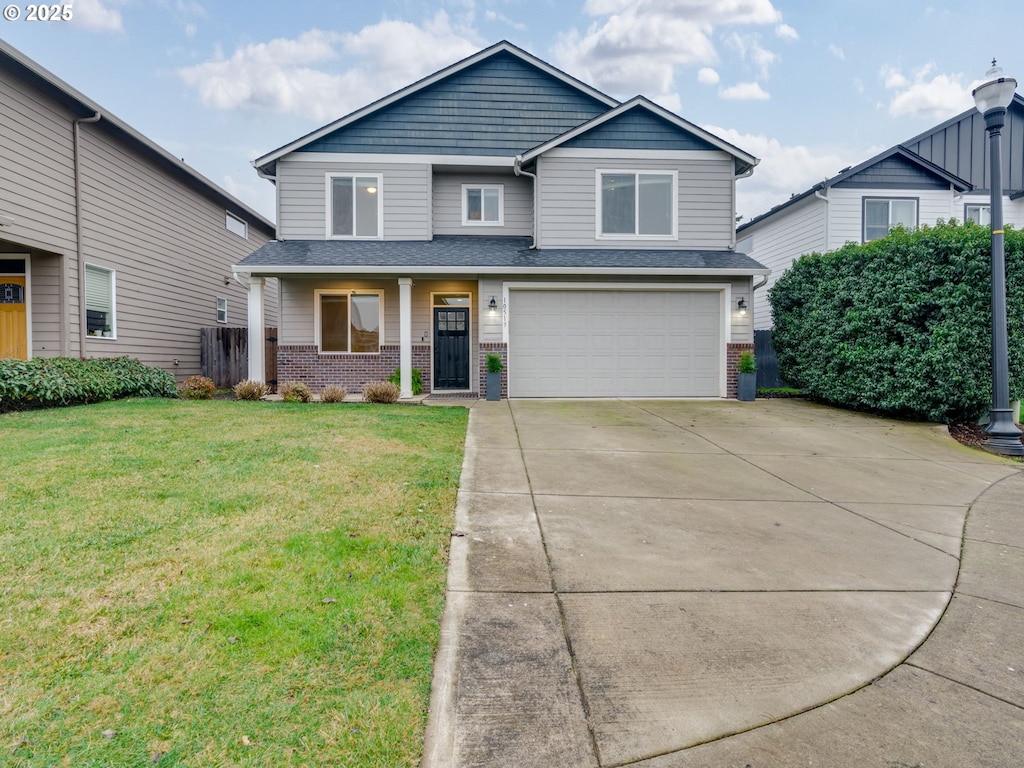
747 389
494 385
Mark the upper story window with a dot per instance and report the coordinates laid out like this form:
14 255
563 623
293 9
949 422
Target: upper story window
636 204
222 309
979 214
236 225
883 214
354 206
483 205
100 315
349 322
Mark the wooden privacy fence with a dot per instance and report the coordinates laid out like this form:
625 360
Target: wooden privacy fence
767 362
224 355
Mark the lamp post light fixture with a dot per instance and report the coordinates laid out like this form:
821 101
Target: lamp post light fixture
992 98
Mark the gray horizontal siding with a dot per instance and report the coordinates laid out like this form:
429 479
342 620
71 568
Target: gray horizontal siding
896 173
500 106
638 129
302 198
569 202
447 198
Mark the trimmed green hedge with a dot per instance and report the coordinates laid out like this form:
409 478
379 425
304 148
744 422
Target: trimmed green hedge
900 325
47 382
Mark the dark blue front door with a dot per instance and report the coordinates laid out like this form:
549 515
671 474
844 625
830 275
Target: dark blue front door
451 348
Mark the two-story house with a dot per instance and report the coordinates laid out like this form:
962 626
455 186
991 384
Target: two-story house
109 245
502 206
942 173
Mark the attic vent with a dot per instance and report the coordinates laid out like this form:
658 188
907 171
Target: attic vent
12 293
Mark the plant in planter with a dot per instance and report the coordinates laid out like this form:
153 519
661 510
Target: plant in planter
494 368
747 384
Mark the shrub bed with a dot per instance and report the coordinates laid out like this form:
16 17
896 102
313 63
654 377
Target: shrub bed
900 325
48 382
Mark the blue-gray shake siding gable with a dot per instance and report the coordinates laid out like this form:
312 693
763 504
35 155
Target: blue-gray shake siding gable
501 106
894 172
638 129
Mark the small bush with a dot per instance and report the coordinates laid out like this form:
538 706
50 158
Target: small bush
333 394
251 390
197 388
417 380
494 363
747 362
294 392
58 381
381 392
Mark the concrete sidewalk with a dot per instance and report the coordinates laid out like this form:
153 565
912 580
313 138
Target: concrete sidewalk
686 583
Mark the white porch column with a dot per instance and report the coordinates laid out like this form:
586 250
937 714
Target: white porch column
405 335
257 369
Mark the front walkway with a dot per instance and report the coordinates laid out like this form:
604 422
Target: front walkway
670 583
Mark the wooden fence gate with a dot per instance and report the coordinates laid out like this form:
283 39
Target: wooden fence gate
224 355
270 357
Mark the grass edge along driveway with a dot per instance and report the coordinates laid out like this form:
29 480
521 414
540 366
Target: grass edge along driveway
222 583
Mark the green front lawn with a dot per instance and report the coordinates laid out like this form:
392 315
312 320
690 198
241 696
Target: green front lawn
222 583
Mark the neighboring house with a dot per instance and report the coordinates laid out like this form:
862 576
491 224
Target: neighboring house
502 206
941 174
109 245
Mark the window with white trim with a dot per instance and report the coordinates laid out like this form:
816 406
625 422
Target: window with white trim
236 225
979 214
881 215
100 305
636 204
354 206
483 205
222 309
349 321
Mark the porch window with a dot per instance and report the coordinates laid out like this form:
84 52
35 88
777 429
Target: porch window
636 204
483 205
100 308
354 206
979 214
881 215
348 321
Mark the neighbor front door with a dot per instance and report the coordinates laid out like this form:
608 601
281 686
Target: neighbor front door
13 319
451 348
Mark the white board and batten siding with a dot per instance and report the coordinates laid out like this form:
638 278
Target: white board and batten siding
302 197
568 199
518 204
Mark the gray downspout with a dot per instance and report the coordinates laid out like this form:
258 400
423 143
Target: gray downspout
517 167
78 230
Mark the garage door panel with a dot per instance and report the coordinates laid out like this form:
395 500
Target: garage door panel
614 343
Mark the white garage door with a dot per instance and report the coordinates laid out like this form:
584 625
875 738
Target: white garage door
614 343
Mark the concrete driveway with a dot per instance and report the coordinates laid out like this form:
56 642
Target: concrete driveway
672 583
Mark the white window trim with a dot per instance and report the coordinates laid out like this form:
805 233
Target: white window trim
113 302
980 206
229 218
225 300
466 222
318 292
329 205
599 235
882 198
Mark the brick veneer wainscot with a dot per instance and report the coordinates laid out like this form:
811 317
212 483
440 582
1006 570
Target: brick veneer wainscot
486 348
302 362
732 373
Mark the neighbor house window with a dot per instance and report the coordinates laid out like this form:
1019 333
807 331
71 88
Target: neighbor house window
882 215
483 205
636 204
99 302
979 214
236 225
222 309
348 321
354 206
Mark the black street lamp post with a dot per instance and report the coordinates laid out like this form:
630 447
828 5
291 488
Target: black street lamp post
992 98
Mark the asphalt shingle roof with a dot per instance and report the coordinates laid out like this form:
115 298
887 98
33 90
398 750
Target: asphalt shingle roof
463 252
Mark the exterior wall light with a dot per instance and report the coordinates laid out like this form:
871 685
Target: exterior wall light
741 305
492 306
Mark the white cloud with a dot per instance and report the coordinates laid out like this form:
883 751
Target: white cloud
97 15
783 171
634 46
750 49
927 94
295 75
836 51
786 32
190 30
495 16
744 92
707 76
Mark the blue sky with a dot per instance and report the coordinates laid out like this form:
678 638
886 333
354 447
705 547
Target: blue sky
809 86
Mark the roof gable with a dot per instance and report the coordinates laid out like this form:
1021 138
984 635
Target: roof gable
639 128
500 101
896 171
